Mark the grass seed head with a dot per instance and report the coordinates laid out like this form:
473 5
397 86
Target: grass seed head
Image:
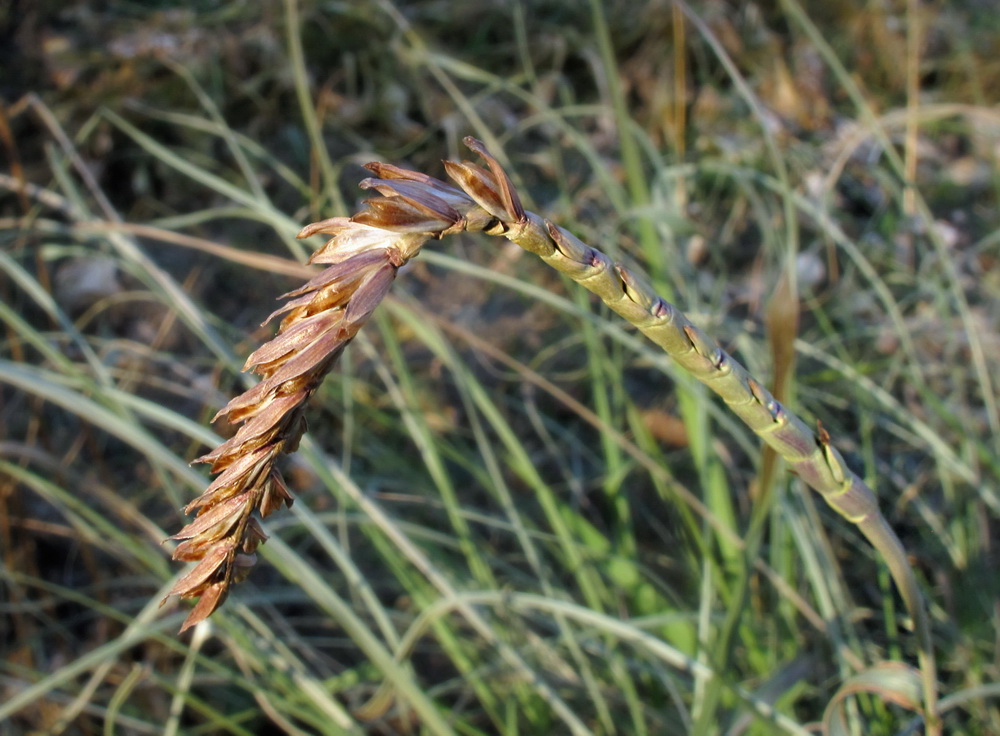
362 256
322 317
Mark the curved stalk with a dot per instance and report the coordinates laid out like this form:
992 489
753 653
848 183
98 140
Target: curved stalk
364 255
809 454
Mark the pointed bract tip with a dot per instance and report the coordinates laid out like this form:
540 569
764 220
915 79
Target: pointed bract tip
474 144
329 226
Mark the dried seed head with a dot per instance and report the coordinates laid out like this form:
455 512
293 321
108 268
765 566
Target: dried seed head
322 317
363 255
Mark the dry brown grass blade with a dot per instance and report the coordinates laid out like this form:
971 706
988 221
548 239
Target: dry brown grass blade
782 320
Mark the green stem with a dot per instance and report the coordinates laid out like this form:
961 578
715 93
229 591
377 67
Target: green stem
810 455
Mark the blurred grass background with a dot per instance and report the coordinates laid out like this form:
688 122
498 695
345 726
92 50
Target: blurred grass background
510 507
